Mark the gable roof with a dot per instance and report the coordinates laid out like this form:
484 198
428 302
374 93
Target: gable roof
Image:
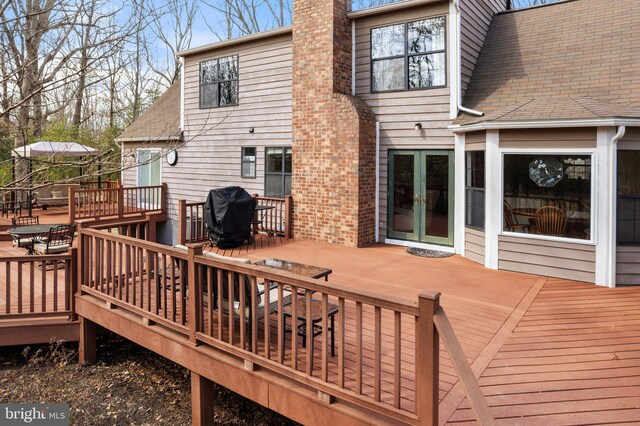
576 59
160 122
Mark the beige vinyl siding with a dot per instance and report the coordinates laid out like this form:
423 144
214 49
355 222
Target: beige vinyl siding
475 141
474 245
549 138
628 257
628 265
211 155
547 258
398 111
475 19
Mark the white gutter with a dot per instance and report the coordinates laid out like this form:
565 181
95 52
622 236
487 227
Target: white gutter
469 111
508 125
377 214
613 192
353 57
182 74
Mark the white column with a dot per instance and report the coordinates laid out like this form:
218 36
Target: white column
459 195
604 208
493 198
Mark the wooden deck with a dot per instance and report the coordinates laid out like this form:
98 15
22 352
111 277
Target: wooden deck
546 351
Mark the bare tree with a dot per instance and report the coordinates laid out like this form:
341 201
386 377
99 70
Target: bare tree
172 25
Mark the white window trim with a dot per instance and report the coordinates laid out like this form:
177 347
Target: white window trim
153 151
594 184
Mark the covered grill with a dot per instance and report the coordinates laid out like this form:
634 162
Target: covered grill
228 213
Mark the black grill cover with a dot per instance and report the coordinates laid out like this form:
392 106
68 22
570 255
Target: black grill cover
228 213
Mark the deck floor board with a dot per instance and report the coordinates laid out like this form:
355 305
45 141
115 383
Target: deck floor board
546 352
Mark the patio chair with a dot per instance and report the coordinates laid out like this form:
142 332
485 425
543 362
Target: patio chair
510 222
59 240
24 242
551 220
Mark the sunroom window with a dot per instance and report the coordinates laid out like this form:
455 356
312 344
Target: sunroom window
409 55
219 82
548 194
474 187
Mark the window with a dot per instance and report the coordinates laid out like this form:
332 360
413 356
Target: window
219 82
408 56
548 194
149 174
628 225
248 162
277 176
474 186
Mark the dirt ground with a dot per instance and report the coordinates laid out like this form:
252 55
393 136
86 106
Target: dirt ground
128 386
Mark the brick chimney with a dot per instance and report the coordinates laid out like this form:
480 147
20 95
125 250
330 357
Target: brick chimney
333 182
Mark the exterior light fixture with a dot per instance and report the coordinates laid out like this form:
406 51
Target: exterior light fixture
417 127
251 130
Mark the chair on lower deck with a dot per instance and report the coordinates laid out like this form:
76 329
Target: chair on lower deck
551 220
59 240
24 242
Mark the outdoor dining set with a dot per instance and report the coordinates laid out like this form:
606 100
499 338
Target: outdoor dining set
41 239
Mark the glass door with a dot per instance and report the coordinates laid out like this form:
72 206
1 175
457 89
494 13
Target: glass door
421 196
436 197
149 174
403 203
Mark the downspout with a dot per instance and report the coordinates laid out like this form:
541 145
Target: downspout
377 214
613 191
353 57
456 4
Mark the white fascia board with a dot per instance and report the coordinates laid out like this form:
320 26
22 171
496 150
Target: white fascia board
506 125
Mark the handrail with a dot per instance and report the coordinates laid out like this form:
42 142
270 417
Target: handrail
228 305
116 201
277 221
470 385
33 293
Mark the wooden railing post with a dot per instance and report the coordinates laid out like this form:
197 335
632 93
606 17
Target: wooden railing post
427 359
287 215
73 288
163 198
120 201
72 204
195 292
182 222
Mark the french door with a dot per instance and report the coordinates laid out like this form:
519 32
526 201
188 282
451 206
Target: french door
421 196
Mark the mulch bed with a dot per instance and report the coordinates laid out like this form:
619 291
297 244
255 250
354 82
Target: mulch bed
128 386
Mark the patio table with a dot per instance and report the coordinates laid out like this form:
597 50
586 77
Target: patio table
31 231
301 328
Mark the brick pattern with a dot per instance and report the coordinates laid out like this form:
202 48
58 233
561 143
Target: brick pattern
333 182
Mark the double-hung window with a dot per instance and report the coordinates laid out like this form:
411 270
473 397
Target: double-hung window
409 55
277 179
248 168
219 82
474 187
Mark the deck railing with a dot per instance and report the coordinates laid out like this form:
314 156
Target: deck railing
386 358
39 286
106 184
115 202
274 221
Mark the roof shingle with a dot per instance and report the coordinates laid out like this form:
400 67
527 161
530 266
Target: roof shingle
576 59
160 122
